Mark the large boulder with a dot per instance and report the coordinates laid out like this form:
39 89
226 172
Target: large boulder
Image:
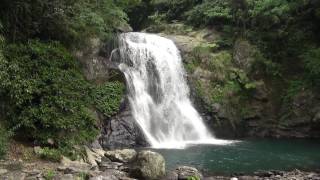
124 155
148 165
73 167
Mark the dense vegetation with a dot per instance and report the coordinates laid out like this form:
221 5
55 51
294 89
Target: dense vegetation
45 98
284 31
45 93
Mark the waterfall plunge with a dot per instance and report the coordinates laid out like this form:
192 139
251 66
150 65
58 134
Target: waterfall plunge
158 92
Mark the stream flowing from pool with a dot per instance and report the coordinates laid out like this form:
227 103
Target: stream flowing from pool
158 92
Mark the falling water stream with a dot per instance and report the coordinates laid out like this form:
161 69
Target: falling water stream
159 94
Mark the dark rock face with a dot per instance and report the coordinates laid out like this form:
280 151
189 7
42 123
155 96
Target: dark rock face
302 116
122 131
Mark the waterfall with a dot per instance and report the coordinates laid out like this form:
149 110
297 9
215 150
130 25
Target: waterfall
158 92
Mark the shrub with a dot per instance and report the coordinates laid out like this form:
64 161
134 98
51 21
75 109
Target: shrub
312 65
50 174
193 178
108 96
210 12
50 154
45 94
83 176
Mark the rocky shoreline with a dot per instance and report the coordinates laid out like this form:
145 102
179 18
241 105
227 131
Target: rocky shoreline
125 164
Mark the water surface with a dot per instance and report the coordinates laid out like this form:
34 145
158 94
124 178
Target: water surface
247 156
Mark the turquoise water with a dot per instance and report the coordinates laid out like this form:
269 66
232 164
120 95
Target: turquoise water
247 156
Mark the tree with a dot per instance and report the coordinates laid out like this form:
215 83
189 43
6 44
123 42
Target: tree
70 22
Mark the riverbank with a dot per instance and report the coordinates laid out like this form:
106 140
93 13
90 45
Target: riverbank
126 164
49 171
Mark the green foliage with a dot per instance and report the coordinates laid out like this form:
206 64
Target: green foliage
312 66
46 94
139 14
3 142
107 97
175 9
294 87
219 62
210 12
70 22
3 131
49 175
193 178
50 154
269 11
84 176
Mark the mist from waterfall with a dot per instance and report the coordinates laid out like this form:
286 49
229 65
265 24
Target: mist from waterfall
158 92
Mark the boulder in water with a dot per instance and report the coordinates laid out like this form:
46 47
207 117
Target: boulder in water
148 165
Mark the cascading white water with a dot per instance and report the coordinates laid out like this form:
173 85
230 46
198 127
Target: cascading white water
158 92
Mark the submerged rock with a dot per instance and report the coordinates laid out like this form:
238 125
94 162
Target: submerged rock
148 165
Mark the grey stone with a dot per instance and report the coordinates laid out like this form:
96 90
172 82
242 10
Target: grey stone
67 177
171 175
124 155
92 157
95 67
109 165
110 174
96 144
184 172
148 165
72 167
33 172
3 171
